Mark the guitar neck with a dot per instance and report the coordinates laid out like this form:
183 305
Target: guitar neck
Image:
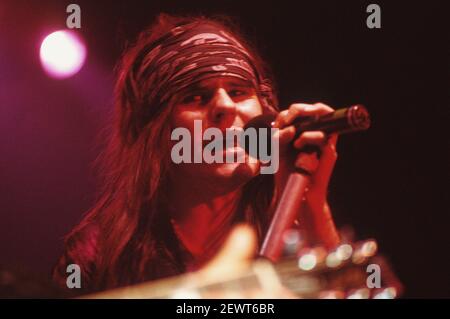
259 275
313 274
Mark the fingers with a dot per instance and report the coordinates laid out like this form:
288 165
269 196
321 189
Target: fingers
287 131
280 120
307 162
316 138
322 168
326 164
286 117
234 257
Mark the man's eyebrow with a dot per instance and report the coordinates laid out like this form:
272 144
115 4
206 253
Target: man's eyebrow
199 86
192 88
240 83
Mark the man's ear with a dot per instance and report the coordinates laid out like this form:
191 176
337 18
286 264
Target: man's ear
267 97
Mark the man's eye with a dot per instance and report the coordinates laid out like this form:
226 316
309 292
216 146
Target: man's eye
193 98
238 93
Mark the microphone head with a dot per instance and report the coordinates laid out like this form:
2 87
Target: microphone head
346 120
259 122
358 117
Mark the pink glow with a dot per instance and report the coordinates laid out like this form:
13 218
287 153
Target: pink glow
62 54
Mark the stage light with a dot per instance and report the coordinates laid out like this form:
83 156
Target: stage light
62 54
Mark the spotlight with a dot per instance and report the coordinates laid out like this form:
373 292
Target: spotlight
62 54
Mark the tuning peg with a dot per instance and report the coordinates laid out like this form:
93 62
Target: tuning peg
331 294
292 242
339 255
362 293
309 258
385 293
364 250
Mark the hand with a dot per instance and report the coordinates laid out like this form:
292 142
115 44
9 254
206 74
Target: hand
317 219
235 257
233 261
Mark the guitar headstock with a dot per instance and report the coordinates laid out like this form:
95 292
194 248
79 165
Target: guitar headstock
348 271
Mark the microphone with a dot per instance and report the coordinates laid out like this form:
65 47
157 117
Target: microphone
347 120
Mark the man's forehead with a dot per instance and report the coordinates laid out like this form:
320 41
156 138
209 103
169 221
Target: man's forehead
221 81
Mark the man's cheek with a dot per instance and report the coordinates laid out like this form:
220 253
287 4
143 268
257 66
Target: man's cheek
252 108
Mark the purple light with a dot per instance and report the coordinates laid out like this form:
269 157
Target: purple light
62 54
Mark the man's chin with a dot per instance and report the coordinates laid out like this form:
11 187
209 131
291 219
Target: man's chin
237 171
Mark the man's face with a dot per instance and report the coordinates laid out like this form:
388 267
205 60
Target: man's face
222 103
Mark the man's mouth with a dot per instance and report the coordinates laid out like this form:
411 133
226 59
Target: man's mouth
227 142
224 145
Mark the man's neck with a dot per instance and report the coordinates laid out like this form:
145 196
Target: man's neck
202 219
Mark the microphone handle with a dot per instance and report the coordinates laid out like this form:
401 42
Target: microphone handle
346 120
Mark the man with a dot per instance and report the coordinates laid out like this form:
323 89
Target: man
155 218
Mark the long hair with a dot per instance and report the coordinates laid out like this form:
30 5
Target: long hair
127 237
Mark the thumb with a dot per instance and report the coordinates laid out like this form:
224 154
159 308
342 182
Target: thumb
236 254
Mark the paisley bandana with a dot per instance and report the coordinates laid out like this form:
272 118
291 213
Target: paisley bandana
191 53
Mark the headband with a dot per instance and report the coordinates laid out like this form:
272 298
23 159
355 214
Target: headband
194 52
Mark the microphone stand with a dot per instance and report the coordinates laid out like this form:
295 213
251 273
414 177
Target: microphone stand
288 208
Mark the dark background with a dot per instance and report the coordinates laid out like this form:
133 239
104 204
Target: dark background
390 182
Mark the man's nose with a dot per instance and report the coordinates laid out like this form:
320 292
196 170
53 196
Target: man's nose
222 106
